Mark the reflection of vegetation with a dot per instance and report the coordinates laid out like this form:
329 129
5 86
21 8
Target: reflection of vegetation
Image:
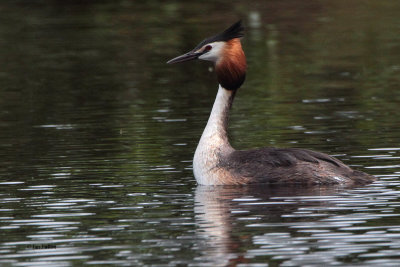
86 99
317 73
335 70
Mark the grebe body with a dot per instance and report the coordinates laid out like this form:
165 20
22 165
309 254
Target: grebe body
215 162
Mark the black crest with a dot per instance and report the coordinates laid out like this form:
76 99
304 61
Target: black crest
234 31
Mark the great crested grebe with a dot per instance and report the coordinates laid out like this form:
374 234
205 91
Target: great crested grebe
215 162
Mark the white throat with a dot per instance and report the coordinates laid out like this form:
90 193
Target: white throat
214 143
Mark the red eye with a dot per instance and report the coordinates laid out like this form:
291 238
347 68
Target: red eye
207 48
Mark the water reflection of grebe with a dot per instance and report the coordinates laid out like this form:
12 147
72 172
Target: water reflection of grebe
218 209
217 163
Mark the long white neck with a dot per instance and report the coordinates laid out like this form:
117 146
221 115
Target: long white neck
214 143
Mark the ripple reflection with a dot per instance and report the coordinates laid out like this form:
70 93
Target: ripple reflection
301 226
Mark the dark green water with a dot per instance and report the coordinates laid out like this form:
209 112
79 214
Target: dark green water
97 133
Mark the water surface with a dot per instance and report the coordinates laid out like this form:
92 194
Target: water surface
97 133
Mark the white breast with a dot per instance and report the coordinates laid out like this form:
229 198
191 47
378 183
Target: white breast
214 142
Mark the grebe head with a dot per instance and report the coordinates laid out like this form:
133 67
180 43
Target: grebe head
225 51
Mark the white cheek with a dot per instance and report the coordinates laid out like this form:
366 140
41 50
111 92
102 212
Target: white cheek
209 56
214 53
